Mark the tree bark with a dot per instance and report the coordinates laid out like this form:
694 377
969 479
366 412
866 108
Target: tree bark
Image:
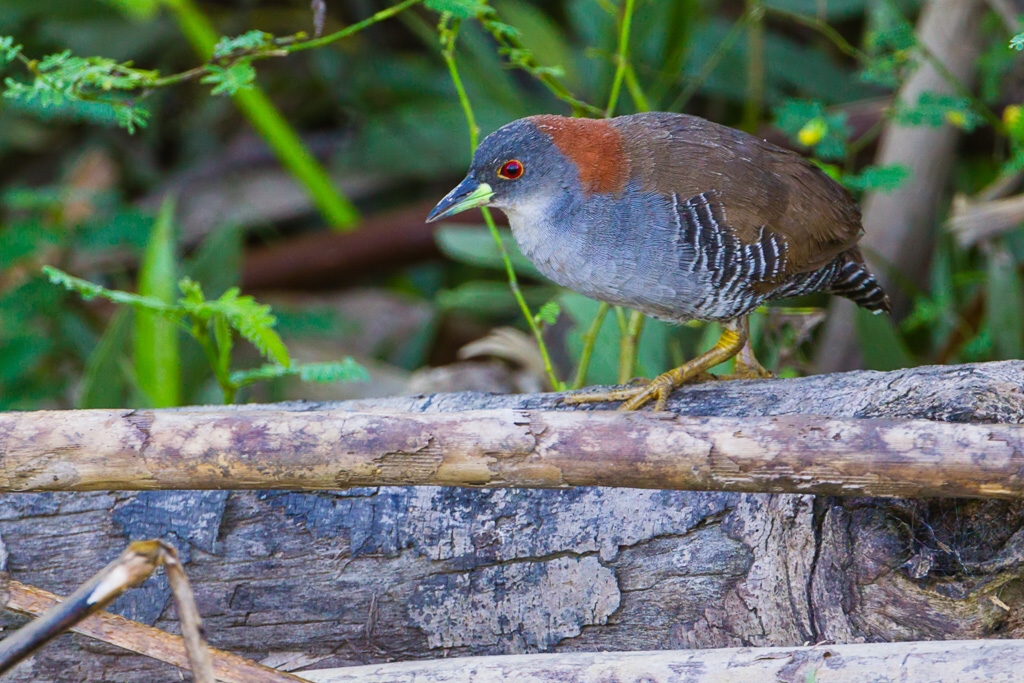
375 574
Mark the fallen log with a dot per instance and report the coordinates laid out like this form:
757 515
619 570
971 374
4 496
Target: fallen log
367 575
964 661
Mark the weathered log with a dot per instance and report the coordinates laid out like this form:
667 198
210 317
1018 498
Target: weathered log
331 449
965 661
340 578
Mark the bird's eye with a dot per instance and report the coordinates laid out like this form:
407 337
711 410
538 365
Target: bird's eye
511 170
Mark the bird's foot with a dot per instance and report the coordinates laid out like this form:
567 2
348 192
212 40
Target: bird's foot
633 398
748 371
640 391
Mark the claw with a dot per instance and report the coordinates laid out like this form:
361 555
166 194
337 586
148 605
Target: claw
660 388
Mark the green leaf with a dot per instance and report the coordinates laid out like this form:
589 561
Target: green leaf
247 42
1005 306
604 363
155 344
878 178
934 109
254 321
538 33
141 10
811 125
460 9
228 80
490 299
131 117
8 50
103 382
346 370
474 245
548 313
63 78
881 346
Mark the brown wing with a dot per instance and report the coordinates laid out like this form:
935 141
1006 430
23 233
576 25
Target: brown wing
757 184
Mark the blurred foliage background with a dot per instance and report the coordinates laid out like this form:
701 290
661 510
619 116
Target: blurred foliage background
179 149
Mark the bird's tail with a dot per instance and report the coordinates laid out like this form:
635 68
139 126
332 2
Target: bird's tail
854 281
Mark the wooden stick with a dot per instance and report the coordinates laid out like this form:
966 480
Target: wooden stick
144 640
331 449
133 566
963 661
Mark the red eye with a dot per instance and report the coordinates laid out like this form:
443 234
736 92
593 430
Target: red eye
511 170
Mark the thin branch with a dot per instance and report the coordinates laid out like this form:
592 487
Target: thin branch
130 569
144 640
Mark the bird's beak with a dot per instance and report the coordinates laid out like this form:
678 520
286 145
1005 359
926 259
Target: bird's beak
468 194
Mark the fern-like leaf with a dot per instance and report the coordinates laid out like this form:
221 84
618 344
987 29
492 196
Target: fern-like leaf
90 290
253 320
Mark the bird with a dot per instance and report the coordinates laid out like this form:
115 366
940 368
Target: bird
672 215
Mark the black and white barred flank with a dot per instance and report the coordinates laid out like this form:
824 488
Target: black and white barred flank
733 265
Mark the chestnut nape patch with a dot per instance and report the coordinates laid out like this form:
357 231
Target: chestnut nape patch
594 146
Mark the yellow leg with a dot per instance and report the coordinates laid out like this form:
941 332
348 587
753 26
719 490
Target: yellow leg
729 344
746 365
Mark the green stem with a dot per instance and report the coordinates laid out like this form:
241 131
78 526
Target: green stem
709 66
754 103
589 340
354 28
824 29
448 33
510 44
640 100
628 345
274 129
621 57
200 334
620 318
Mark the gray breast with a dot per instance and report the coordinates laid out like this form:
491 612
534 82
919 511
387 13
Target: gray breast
672 258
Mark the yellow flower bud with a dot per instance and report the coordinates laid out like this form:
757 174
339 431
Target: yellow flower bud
813 132
1012 115
957 118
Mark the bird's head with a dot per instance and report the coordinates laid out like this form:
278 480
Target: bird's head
523 164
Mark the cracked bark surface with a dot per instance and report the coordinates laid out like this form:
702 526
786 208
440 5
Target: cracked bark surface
369 575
